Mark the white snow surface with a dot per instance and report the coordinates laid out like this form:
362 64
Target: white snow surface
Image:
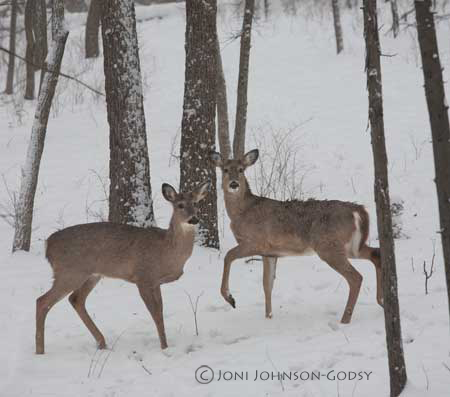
295 79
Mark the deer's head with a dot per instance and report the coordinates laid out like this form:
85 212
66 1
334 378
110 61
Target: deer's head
185 209
233 178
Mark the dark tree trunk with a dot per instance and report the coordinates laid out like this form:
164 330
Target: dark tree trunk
92 28
266 9
30 172
337 26
130 195
199 110
223 126
244 59
12 47
75 5
395 18
397 369
40 33
439 121
29 54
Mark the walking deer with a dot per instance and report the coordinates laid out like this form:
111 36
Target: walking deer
80 255
334 230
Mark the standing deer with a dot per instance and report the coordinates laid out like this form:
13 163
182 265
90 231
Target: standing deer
80 255
334 230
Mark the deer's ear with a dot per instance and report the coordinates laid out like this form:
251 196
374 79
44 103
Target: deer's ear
200 192
216 158
169 192
251 157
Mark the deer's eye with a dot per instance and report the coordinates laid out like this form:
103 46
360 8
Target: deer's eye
181 205
225 170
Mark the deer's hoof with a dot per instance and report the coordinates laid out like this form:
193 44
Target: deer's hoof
231 301
380 302
39 351
269 315
101 345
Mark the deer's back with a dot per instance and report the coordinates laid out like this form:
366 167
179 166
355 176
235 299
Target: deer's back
295 227
109 249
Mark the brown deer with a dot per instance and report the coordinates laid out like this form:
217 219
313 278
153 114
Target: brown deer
80 255
334 230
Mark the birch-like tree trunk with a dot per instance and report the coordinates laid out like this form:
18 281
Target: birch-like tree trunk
397 369
29 54
439 121
244 59
395 18
223 125
92 29
130 194
337 26
199 110
30 171
12 48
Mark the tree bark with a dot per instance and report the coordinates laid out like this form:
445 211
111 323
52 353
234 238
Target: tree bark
397 369
29 54
395 18
199 110
130 195
439 121
75 5
12 47
223 125
92 29
266 9
337 26
30 172
40 33
244 59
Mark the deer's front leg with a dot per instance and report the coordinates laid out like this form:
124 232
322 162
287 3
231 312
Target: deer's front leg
269 273
153 300
233 254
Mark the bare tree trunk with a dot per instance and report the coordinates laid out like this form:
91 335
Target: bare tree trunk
92 29
439 121
130 195
198 133
12 47
397 369
222 107
29 55
266 9
395 18
40 33
75 5
244 58
30 172
337 26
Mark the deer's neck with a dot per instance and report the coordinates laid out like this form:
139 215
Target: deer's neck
181 236
237 203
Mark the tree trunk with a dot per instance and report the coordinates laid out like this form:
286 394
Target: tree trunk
244 58
395 18
130 195
75 5
40 33
199 110
439 121
337 26
30 172
92 28
222 107
266 9
397 369
29 54
12 47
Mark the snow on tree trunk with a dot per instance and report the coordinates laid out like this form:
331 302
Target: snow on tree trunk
30 171
439 121
244 59
92 29
12 48
130 195
337 26
199 110
223 125
397 369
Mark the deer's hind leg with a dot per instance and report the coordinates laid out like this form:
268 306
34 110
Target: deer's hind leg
373 255
339 262
269 274
78 301
62 286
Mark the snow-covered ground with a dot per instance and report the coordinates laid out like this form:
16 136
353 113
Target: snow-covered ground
296 79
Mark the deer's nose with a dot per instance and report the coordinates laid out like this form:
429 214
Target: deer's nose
193 220
234 185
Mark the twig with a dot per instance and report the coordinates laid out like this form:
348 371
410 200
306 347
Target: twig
145 369
109 353
48 70
194 308
426 376
425 271
275 368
